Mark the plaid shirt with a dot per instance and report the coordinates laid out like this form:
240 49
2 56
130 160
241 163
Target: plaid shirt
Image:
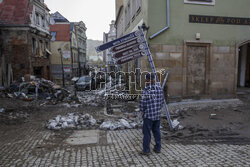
151 102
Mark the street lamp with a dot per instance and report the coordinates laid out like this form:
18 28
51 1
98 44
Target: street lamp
60 51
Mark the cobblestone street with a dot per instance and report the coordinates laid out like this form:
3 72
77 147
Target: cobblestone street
31 145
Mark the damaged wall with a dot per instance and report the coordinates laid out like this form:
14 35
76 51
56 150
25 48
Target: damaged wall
25 39
18 50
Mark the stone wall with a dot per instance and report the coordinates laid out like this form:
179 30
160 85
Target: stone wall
222 73
167 57
220 69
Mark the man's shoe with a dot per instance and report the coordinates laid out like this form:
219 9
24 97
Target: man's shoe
144 153
156 151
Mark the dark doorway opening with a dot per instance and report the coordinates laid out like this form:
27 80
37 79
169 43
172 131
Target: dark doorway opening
244 66
38 72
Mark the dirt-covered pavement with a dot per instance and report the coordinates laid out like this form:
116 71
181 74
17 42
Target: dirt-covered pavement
225 120
212 134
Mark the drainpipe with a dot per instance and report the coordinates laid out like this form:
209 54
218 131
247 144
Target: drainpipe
168 22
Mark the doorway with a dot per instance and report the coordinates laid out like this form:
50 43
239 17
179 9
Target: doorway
197 68
244 66
38 72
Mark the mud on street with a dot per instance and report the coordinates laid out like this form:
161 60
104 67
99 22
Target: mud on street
215 127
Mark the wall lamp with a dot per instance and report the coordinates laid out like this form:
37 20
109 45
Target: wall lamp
144 27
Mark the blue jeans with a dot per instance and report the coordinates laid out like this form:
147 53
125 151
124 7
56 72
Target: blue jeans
149 125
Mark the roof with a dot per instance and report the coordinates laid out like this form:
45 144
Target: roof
62 31
15 12
59 18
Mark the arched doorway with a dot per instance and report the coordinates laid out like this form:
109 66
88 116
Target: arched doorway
244 65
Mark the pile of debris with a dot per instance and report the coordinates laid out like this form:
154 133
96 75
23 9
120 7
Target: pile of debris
120 124
72 120
39 89
91 98
86 121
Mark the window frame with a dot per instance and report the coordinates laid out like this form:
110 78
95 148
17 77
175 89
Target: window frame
37 19
53 36
200 2
43 21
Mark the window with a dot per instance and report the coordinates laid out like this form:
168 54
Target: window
47 45
34 47
53 36
43 22
202 2
22 66
41 49
75 55
37 19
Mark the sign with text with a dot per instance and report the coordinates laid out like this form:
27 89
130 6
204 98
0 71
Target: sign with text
218 20
119 41
66 55
127 48
128 58
126 45
67 69
128 51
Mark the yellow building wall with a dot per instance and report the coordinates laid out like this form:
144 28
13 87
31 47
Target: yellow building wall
56 57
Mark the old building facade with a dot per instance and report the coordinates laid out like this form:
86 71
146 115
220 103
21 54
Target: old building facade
80 30
205 44
107 56
24 40
74 51
64 48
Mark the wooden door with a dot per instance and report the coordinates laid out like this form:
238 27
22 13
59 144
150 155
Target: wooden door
196 70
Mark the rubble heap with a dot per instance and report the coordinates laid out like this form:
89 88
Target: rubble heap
86 121
120 124
91 99
71 121
39 89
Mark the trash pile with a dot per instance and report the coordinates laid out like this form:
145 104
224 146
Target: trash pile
39 89
72 120
91 99
176 125
86 121
120 125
